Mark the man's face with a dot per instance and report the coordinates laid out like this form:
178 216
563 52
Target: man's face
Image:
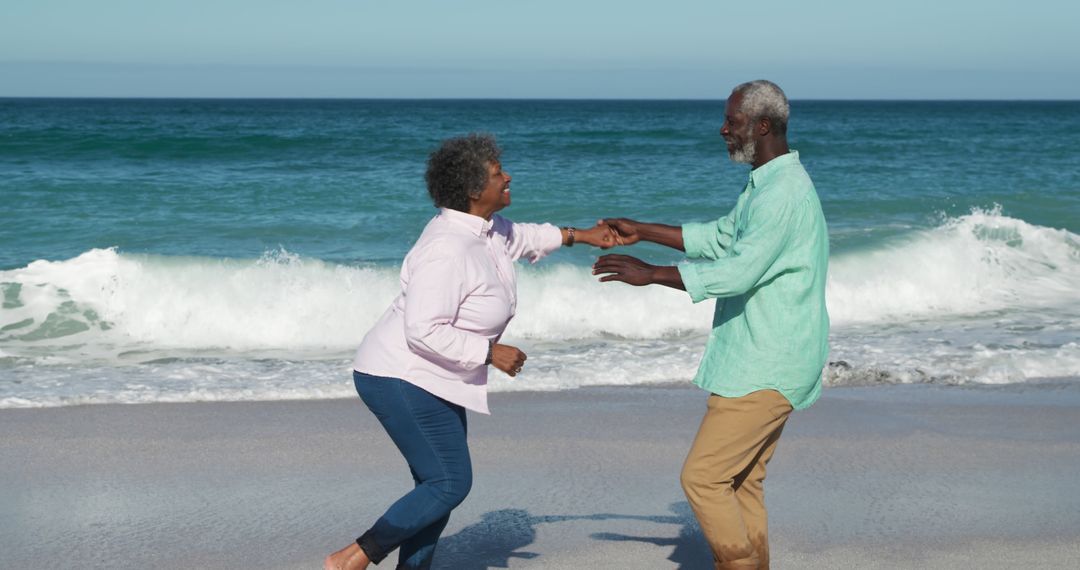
738 132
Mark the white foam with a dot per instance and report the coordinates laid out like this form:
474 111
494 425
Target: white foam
282 302
135 302
563 302
973 264
980 298
550 368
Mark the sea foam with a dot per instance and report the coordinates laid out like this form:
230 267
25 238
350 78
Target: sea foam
968 265
978 298
973 264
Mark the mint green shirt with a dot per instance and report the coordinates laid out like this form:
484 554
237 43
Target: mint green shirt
765 264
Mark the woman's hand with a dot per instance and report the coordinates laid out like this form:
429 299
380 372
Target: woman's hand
507 358
600 235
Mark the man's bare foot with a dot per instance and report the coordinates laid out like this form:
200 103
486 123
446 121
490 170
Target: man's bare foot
352 557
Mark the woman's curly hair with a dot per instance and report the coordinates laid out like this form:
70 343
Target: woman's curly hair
458 169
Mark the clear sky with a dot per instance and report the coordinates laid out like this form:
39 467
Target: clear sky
695 49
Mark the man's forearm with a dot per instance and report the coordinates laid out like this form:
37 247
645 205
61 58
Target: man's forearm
670 236
668 276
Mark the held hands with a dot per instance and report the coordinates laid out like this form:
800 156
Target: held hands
624 230
608 233
615 267
507 358
600 236
630 270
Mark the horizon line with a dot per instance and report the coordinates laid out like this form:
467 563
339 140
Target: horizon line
535 99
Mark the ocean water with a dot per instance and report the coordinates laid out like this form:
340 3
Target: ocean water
193 250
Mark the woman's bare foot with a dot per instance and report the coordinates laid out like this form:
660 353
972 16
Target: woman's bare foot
352 557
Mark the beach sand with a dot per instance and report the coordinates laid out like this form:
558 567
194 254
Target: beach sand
875 477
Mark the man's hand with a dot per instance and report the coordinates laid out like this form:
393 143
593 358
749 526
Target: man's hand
624 229
631 270
507 358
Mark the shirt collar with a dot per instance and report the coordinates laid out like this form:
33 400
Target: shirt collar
763 173
475 225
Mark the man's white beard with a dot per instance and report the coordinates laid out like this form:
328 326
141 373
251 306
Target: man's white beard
745 153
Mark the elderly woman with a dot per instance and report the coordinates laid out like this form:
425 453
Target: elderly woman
426 360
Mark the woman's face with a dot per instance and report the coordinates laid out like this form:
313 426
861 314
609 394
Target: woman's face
495 195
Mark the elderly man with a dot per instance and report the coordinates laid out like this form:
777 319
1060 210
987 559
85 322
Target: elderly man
765 263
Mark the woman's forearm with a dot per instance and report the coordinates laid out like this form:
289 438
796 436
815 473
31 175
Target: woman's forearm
569 236
596 236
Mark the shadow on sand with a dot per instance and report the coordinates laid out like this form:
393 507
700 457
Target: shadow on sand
690 551
505 534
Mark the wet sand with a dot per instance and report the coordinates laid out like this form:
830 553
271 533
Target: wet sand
875 477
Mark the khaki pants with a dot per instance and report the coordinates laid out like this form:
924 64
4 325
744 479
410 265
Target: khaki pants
724 475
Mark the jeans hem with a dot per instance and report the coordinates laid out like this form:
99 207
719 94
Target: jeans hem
374 552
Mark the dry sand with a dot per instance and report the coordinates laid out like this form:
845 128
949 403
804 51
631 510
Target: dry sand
877 477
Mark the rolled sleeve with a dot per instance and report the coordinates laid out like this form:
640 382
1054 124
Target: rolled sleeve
694 235
691 278
529 241
709 240
749 261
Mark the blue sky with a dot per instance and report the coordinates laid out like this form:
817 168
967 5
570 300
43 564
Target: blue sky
828 49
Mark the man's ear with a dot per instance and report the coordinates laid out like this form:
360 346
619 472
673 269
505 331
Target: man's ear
764 126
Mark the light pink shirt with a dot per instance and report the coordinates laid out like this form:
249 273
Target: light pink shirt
458 292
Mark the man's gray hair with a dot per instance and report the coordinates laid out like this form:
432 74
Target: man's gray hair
765 99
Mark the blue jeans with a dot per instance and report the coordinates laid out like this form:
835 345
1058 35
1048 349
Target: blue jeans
430 433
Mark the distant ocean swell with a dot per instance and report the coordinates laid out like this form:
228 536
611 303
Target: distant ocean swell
930 307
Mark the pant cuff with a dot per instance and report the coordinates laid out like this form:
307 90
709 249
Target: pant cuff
750 563
375 553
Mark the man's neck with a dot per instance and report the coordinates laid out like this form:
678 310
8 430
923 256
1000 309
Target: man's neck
769 149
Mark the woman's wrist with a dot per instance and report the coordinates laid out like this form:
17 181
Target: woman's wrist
569 236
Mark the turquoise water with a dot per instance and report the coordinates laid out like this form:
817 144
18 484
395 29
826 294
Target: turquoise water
230 249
